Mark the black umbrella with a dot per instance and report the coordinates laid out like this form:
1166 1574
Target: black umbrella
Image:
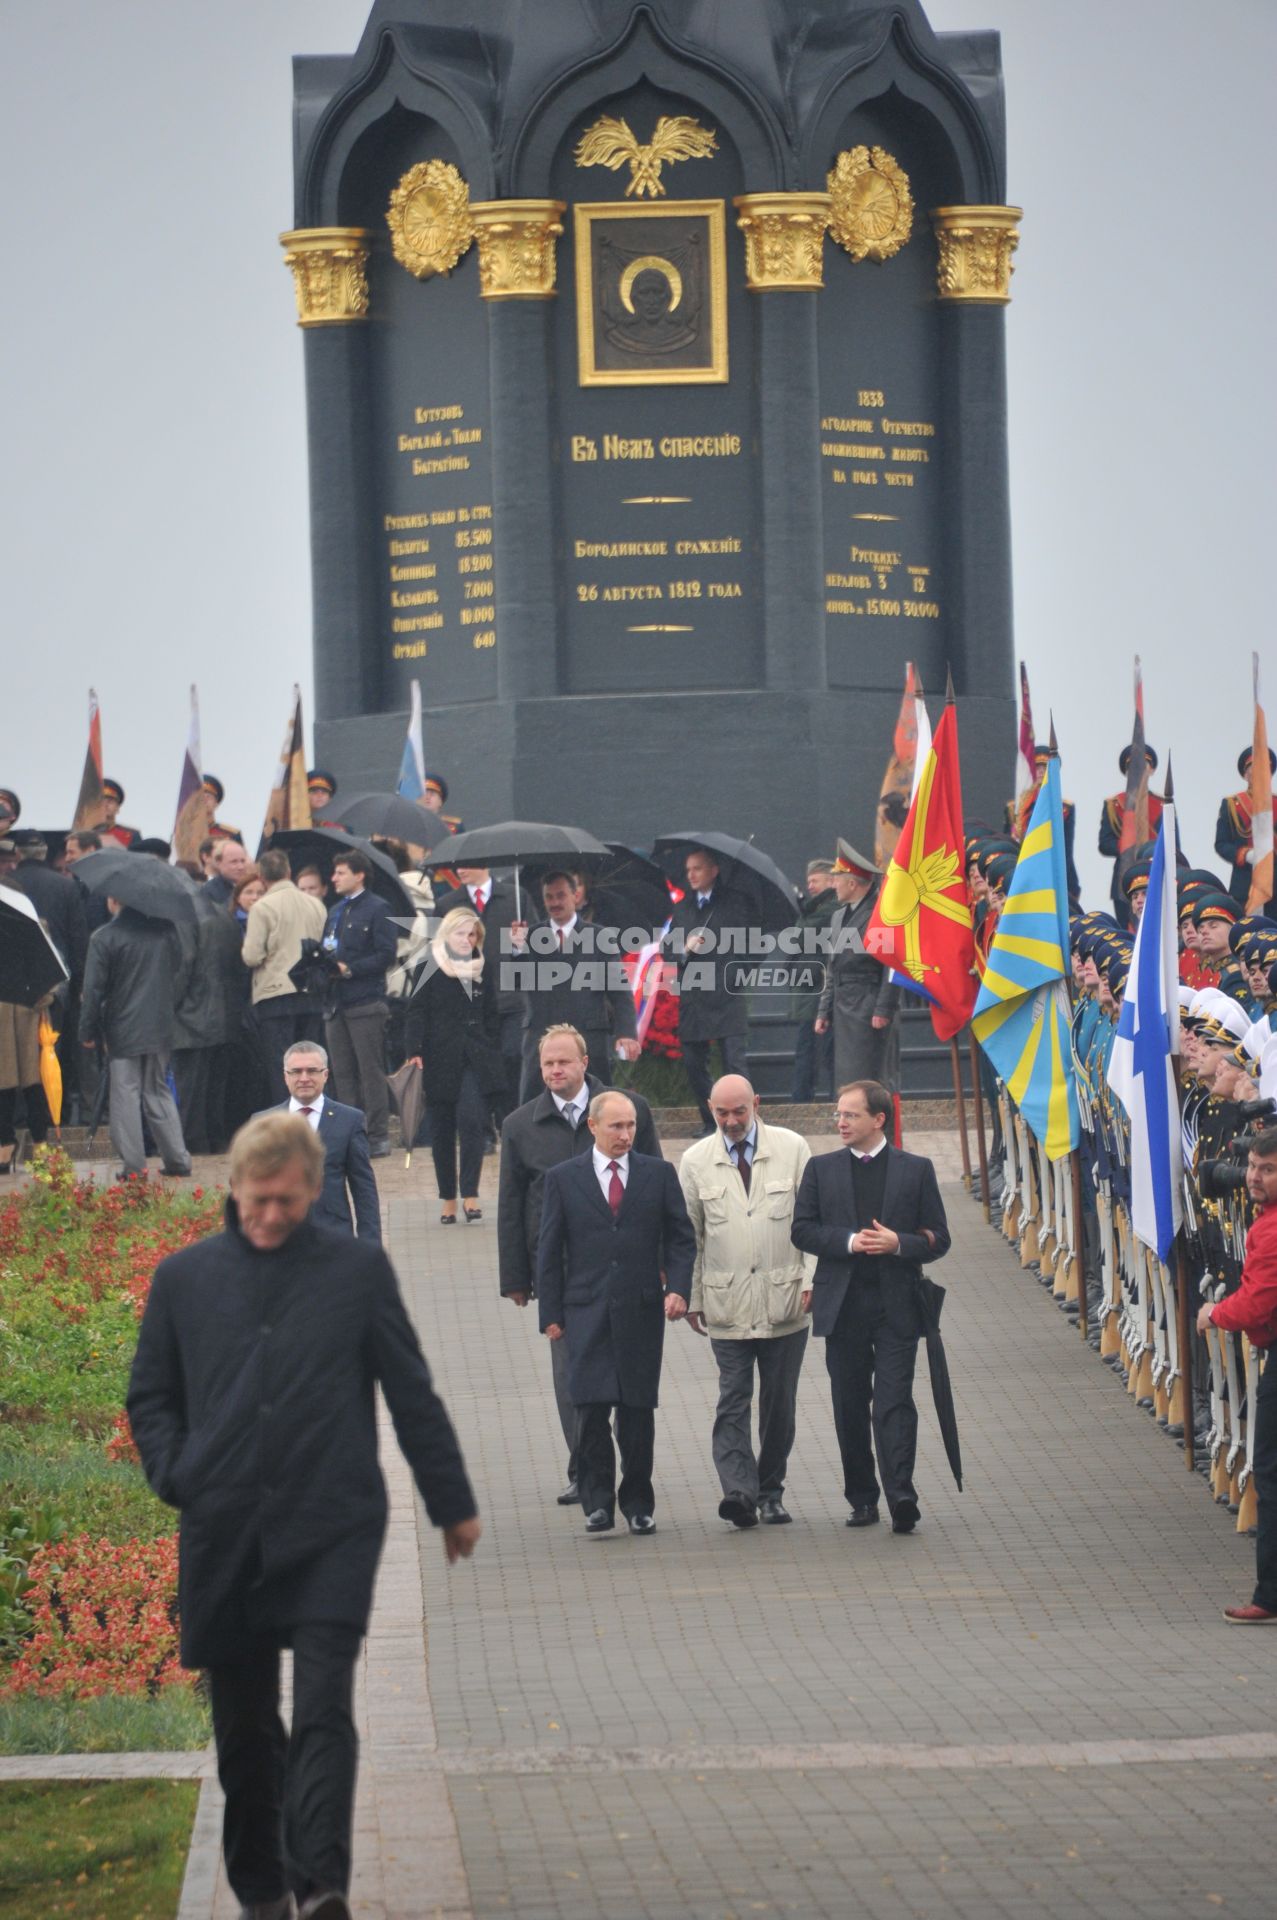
323 844
399 819
516 843
30 965
628 890
745 868
930 1301
140 881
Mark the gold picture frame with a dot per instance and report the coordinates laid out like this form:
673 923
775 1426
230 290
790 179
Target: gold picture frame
674 256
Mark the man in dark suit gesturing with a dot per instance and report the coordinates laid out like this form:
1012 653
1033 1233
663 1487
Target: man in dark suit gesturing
347 1166
613 1222
872 1215
539 1135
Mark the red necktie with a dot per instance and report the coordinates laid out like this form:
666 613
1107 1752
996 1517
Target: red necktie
616 1187
480 900
560 939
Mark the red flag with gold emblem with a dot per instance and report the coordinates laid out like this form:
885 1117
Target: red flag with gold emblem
921 926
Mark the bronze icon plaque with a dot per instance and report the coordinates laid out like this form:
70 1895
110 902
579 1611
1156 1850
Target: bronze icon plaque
651 293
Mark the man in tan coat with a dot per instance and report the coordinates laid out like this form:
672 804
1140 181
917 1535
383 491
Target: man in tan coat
277 925
750 1292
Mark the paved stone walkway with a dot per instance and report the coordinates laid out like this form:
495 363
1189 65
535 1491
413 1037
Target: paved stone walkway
1030 1707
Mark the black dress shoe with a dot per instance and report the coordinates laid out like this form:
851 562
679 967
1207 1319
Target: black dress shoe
642 1523
736 1508
281 1909
600 1521
772 1513
863 1517
906 1517
325 1906
570 1496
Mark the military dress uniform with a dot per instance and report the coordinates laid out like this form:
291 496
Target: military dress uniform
1234 829
858 989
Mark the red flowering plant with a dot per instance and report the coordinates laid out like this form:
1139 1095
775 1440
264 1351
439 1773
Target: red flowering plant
104 1620
84 1539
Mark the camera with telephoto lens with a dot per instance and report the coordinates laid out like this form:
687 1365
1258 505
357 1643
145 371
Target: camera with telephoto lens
1219 1178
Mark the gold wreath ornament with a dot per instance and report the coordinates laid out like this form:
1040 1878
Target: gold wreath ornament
429 218
871 207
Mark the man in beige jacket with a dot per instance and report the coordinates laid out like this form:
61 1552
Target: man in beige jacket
750 1292
277 925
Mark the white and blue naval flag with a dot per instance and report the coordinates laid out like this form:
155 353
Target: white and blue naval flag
1140 1070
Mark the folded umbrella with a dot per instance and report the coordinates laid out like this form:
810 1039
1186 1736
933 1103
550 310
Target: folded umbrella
30 964
399 819
50 1069
323 844
407 1090
745 868
930 1301
140 881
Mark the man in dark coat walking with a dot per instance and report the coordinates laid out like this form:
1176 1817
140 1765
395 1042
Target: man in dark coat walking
253 1405
542 1133
340 1130
872 1215
613 1222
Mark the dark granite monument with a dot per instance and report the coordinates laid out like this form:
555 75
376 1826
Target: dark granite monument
656 400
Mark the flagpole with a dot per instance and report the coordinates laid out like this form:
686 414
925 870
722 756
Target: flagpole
978 1097
959 1098
1079 1241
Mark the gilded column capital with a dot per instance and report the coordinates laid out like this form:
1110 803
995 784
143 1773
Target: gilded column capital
784 239
975 247
329 266
516 247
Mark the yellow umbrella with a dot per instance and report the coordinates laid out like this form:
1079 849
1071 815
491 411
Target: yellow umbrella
50 1070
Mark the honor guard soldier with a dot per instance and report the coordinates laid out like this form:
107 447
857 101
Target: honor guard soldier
109 826
218 829
1111 821
1020 811
321 786
1234 840
435 797
858 999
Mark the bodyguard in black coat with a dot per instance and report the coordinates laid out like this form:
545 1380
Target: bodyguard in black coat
541 1134
613 1222
253 1405
872 1215
707 1008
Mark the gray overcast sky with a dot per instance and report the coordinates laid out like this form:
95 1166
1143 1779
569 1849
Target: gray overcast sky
155 525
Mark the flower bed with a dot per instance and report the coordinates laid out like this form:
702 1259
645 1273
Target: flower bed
88 1557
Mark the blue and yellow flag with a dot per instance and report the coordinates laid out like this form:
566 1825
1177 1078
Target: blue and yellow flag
1022 1015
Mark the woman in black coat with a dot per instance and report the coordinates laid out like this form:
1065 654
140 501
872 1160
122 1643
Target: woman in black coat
453 1031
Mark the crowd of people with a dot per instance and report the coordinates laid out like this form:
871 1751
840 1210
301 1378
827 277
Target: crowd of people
1188 1335
297 985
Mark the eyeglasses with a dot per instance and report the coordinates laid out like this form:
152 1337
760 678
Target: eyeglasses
303 1073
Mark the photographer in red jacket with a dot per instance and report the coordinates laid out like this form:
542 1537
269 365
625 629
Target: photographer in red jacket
1252 1311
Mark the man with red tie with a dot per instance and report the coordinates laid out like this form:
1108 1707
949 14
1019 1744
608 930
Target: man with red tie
613 1222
